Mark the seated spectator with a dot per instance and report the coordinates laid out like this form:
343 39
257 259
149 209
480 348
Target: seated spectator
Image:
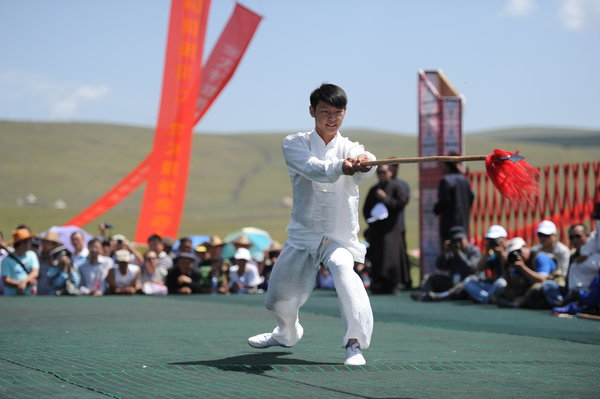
324 279
183 278
120 242
155 243
272 255
548 242
488 278
94 270
152 277
49 242
243 276
582 268
185 245
525 274
457 261
80 253
63 276
20 269
124 277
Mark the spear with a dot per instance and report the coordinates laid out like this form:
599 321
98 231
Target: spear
511 175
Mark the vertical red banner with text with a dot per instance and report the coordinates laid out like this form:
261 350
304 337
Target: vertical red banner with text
164 196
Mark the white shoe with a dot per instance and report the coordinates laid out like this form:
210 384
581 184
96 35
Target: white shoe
262 341
354 355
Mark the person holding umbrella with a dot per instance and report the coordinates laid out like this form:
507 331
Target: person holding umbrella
325 170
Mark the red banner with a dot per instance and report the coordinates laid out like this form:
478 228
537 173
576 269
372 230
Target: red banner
164 196
226 56
218 70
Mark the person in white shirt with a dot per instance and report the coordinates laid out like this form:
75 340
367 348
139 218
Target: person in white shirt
94 270
244 276
325 170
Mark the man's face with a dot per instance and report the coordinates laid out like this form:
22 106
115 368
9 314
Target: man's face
185 265
384 174
95 249
77 241
577 237
155 245
328 119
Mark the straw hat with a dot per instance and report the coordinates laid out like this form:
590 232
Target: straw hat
52 237
215 241
242 242
21 235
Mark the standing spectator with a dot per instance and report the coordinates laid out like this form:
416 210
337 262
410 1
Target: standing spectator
63 277
20 269
94 270
488 278
390 270
548 243
120 242
183 278
244 276
80 252
124 277
152 278
457 261
49 242
155 243
185 245
454 200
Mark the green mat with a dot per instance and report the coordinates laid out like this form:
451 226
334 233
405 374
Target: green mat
195 347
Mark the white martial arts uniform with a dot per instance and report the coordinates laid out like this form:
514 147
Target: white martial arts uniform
324 229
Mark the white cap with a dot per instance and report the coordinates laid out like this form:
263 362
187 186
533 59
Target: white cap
243 253
546 227
122 255
496 231
515 244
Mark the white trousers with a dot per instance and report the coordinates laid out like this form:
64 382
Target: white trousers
293 279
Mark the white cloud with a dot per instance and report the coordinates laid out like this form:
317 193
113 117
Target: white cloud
59 99
519 8
66 104
577 15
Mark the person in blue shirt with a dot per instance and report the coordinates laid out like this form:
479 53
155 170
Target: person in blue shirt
62 274
20 269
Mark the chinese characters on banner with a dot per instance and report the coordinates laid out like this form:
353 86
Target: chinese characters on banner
218 70
164 196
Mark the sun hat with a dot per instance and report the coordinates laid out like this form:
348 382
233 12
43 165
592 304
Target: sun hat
496 231
215 241
21 235
52 236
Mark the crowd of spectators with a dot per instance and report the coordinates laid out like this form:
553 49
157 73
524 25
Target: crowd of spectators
513 273
44 265
509 273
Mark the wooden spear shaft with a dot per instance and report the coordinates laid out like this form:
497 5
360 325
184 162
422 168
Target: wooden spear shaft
443 158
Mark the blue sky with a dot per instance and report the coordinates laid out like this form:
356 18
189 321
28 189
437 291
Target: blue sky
517 62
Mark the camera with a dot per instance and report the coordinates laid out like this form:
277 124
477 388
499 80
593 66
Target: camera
514 256
596 214
493 242
107 225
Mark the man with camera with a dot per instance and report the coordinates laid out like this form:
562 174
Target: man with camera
525 274
488 279
458 261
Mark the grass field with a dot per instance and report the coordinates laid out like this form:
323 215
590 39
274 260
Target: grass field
235 180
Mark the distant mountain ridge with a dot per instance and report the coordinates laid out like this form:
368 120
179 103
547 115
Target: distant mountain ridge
235 180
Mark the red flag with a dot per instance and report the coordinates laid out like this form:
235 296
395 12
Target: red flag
236 36
164 196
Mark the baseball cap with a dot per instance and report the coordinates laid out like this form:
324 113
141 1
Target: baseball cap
515 244
546 227
496 231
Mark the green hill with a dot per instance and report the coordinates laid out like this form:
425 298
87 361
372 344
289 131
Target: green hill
235 180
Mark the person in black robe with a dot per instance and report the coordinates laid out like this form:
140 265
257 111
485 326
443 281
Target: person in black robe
390 271
455 198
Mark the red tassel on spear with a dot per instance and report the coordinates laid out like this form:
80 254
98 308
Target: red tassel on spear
511 175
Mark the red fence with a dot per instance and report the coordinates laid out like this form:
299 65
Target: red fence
567 196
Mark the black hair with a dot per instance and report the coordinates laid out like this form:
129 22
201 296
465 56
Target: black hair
154 237
93 241
330 94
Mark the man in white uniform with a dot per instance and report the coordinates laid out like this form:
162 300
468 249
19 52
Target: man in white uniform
325 170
